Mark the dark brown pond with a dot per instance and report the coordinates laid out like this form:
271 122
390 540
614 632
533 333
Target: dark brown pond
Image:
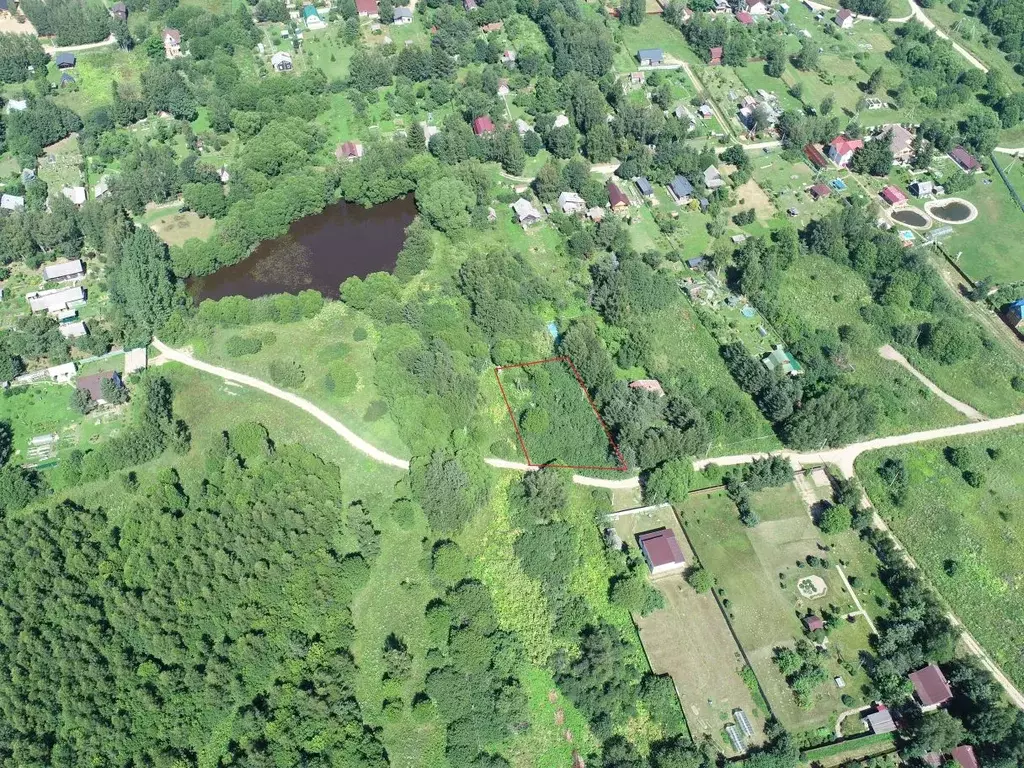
910 217
952 211
318 252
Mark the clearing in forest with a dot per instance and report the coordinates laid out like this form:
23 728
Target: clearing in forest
556 423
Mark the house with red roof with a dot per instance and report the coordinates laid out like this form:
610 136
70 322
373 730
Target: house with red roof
367 9
930 687
482 126
661 551
893 195
716 56
744 18
813 623
841 150
350 151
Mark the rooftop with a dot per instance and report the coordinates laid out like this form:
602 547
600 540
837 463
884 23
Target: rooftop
661 548
930 686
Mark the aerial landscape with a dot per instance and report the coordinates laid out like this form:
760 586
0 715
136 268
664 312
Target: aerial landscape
512 383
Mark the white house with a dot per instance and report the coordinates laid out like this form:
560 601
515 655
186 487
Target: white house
75 194
844 19
11 202
526 213
73 330
402 16
281 61
570 203
841 150
757 8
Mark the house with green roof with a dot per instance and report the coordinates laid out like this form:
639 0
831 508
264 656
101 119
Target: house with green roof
781 360
311 18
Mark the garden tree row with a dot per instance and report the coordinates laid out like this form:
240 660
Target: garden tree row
222 641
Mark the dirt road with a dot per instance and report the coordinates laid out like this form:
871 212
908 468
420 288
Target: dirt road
971 413
320 415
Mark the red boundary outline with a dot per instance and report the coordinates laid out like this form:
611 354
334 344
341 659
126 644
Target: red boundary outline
623 467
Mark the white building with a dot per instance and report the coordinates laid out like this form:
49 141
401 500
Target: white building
75 194
55 300
571 203
63 270
73 330
11 202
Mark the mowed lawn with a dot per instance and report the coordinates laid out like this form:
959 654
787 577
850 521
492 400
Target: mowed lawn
974 533
689 640
989 246
757 569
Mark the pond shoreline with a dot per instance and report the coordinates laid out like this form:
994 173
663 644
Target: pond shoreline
318 252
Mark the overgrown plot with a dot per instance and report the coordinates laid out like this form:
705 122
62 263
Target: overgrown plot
555 421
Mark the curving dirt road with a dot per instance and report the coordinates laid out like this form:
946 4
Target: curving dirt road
320 415
970 412
52 49
842 457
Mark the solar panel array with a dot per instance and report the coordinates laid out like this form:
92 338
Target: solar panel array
735 738
743 721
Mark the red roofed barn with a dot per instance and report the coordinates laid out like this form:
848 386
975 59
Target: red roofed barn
482 126
367 8
814 623
893 195
965 160
661 550
930 687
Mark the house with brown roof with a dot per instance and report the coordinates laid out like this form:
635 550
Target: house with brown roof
716 56
930 687
901 142
966 161
661 551
617 198
93 384
818 191
744 18
844 19
964 755
815 156
648 385
119 11
349 151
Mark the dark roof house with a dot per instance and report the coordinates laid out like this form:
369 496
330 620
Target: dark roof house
661 550
930 687
644 186
119 10
819 191
93 384
650 56
680 188
814 623
65 60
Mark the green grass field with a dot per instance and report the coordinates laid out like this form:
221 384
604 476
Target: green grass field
757 569
322 346
989 246
974 533
95 72
819 294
